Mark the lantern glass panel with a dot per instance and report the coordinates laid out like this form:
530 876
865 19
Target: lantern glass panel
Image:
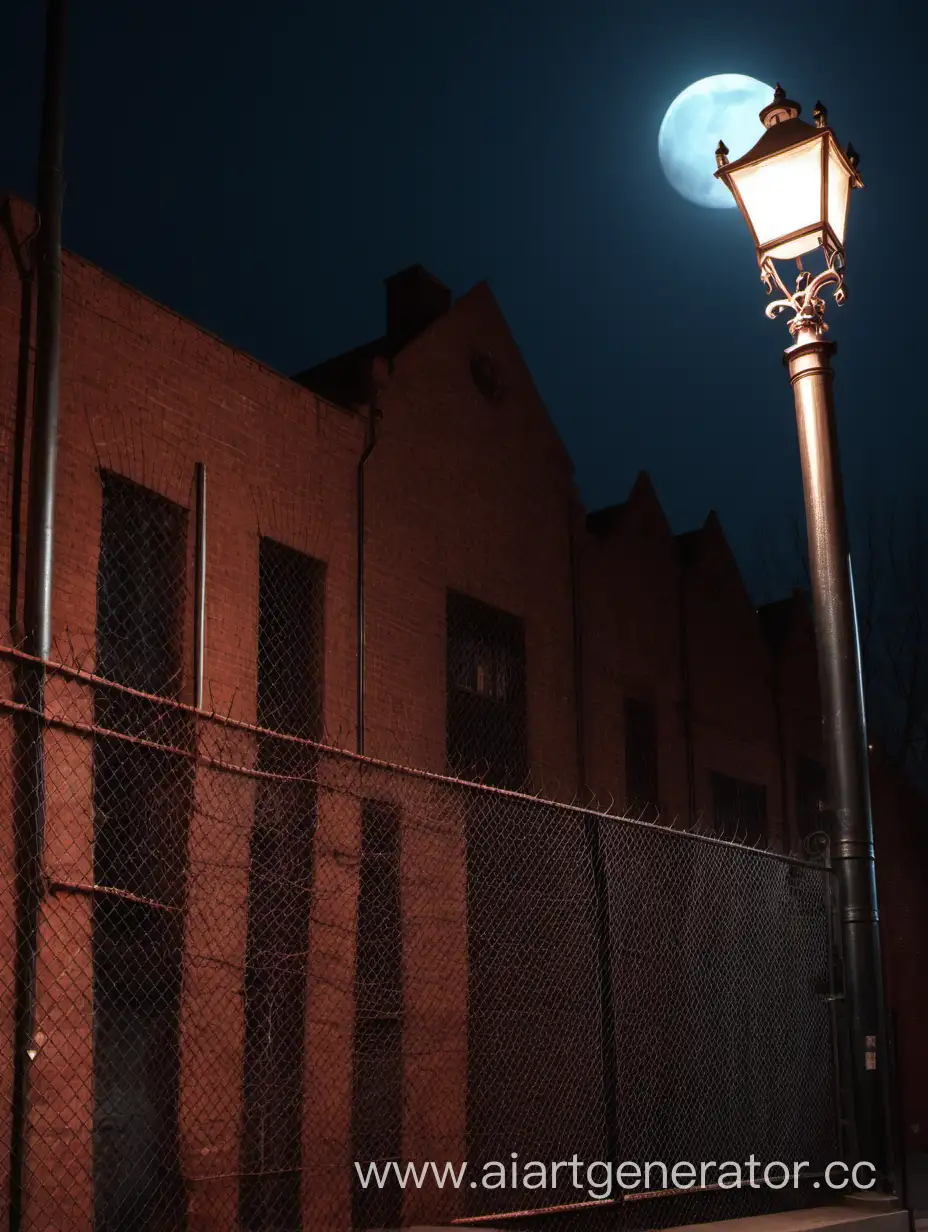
782 195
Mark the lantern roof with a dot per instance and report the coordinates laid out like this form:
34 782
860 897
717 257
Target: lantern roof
784 130
774 140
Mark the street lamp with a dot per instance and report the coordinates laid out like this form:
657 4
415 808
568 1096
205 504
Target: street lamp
793 189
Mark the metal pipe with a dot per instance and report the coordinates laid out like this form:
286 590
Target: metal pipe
686 697
845 738
373 417
22 254
29 823
199 610
577 620
44 446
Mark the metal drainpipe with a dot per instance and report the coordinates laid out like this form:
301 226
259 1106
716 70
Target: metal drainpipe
578 651
25 267
199 612
374 416
29 821
687 702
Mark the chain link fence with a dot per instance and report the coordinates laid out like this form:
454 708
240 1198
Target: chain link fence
241 961
260 960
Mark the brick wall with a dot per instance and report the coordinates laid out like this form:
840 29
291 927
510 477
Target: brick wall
475 496
629 571
463 491
148 395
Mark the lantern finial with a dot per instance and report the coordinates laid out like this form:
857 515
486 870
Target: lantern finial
782 108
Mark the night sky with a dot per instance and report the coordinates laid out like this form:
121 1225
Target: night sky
262 167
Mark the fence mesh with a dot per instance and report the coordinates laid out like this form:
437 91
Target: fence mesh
260 960
241 961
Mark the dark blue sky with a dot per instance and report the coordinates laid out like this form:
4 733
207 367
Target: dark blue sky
262 167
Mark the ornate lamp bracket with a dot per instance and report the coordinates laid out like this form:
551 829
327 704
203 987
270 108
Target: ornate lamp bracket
805 302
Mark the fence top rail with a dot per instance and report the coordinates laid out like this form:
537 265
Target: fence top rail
56 667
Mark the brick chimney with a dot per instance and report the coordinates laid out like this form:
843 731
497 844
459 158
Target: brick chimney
415 298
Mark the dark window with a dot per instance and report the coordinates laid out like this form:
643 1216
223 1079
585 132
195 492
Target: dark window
290 641
140 588
289 702
641 790
142 797
740 809
486 693
811 793
377 1106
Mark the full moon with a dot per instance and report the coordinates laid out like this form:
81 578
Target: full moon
721 108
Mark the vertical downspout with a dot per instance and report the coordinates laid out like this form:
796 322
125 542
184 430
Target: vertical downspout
22 255
44 446
687 701
592 823
576 613
373 416
29 824
199 610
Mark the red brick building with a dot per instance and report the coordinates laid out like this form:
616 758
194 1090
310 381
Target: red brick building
619 662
